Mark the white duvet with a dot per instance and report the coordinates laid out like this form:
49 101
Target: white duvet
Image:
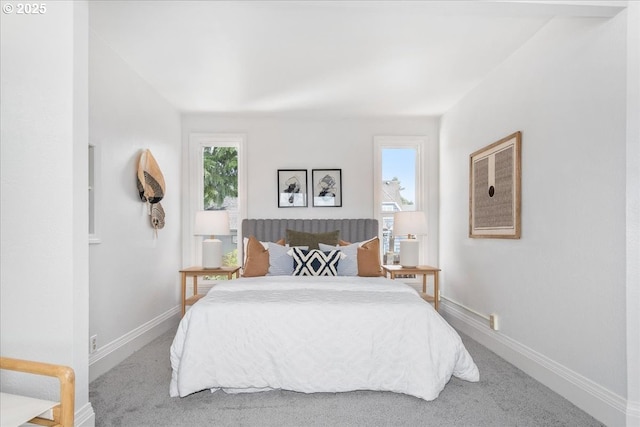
309 334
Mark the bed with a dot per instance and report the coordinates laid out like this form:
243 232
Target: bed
332 333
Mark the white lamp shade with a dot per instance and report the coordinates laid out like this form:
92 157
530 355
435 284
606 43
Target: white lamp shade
409 222
211 223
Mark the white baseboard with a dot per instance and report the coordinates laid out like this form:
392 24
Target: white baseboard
85 417
116 351
596 400
633 413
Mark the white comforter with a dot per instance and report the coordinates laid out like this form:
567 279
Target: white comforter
308 334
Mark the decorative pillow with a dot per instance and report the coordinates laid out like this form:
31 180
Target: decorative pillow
280 262
348 266
245 243
300 238
369 259
315 262
257 258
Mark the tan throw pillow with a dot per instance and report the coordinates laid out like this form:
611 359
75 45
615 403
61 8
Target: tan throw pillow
257 263
369 259
311 240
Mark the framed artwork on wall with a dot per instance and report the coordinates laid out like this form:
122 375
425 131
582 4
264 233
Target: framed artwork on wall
327 187
494 189
292 188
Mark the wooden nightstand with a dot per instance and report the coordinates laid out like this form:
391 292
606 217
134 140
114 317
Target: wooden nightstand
394 270
199 271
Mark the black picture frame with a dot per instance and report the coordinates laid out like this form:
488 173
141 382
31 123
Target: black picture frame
326 187
292 188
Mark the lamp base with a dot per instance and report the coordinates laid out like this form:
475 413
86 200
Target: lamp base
409 253
211 253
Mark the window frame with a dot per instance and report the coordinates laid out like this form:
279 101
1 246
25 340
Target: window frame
93 184
197 141
415 142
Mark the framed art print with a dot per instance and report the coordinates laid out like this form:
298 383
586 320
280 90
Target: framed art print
494 189
327 187
292 188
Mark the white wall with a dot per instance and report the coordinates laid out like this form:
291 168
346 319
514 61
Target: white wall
559 291
134 280
44 257
308 143
633 213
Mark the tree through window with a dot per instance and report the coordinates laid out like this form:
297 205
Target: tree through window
220 178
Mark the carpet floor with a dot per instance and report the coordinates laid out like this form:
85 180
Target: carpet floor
136 393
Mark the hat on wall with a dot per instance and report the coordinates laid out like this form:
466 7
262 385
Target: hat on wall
150 181
157 216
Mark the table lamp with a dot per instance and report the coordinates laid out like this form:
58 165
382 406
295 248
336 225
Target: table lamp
211 223
409 224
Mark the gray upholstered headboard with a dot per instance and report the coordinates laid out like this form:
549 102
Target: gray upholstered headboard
271 230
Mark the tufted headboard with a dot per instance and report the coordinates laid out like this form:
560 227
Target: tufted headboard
271 230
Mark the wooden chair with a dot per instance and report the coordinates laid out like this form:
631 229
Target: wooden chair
63 412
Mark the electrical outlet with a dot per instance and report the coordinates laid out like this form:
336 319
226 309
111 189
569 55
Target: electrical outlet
493 321
93 344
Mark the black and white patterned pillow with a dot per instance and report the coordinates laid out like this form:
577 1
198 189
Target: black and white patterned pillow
315 262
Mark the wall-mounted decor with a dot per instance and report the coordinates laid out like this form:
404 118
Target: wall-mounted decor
292 188
151 188
494 189
327 187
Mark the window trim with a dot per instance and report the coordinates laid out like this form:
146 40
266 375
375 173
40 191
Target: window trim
93 153
416 142
195 172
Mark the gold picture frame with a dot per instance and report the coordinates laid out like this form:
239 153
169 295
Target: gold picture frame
494 189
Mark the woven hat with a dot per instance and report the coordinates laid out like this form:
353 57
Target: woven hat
149 180
150 183
157 216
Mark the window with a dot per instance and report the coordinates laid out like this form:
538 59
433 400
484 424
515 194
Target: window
398 183
217 181
93 221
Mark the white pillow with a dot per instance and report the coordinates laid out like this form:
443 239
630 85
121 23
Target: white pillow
280 262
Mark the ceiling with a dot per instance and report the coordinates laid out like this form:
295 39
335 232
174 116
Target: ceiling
316 58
